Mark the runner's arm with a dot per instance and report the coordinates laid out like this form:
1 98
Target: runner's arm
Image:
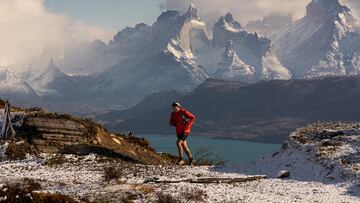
191 118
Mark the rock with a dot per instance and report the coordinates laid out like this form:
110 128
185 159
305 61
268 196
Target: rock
58 133
285 145
283 174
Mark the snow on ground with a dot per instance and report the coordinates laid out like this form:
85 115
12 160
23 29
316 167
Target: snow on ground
321 169
84 177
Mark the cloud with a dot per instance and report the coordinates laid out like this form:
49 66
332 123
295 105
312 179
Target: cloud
354 6
29 32
243 10
247 10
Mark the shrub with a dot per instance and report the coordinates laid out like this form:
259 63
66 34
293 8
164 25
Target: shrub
18 150
24 193
49 197
56 160
166 198
31 184
111 173
195 196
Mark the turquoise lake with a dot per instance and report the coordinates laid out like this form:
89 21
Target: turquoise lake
233 151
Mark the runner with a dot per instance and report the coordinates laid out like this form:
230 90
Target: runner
182 120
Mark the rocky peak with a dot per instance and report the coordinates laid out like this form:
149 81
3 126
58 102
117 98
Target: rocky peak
53 69
167 15
232 67
192 13
129 31
227 22
98 44
319 8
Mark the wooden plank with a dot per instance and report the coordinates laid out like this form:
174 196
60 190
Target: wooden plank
209 180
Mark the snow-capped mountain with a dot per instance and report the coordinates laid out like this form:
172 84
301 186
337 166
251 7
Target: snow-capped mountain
13 88
252 49
175 53
323 43
178 52
159 59
41 79
53 85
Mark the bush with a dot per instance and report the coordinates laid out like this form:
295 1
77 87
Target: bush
166 198
18 150
56 160
48 197
195 196
24 193
205 157
111 173
31 184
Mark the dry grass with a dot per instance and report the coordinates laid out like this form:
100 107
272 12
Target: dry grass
206 157
146 189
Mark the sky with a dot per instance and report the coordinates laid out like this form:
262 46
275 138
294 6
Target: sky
112 14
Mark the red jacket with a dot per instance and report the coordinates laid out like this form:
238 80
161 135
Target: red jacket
182 120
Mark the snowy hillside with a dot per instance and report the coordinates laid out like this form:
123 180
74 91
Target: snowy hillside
319 163
323 43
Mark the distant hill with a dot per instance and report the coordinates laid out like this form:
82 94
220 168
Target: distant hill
154 102
266 111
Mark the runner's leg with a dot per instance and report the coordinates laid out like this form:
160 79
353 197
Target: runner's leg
180 149
186 149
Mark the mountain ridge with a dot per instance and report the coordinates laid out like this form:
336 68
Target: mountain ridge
266 111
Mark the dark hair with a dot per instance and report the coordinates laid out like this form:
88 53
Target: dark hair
176 104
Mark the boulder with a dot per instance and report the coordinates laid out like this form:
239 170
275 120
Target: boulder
283 174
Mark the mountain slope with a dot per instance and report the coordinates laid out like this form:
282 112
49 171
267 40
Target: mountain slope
323 43
154 102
